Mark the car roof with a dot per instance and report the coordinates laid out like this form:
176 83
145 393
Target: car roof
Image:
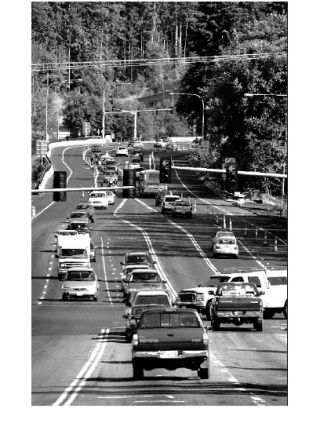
151 292
152 271
84 268
80 221
141 266
137 253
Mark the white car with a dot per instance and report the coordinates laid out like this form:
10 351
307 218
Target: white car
80 283
225 244
168 202
122 151
99 199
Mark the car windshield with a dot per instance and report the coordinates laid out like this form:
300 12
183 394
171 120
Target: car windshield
182 203
226 241
152 299
213 282
97 195
130 269
77 226
80 276
145 276
164 320
74 253
136 259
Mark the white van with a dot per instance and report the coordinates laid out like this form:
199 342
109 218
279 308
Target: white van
72 252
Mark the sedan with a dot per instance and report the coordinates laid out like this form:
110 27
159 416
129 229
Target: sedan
80 283
122 151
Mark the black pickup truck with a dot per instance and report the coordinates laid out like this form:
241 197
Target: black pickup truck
170 338
237 303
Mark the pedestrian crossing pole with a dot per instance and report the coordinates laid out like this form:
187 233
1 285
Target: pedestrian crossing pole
256 233
245 230
265 241
276 244
224 222
230 224
217 218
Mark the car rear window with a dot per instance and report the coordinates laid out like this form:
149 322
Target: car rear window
80 276
145 276
163 320
277 281
226 241
213 282
136 259
152 299
171 198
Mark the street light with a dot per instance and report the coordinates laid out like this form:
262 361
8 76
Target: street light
197 95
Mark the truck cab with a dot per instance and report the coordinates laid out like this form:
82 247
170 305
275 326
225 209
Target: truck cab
73 251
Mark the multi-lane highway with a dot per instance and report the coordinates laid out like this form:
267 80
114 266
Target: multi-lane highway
79 353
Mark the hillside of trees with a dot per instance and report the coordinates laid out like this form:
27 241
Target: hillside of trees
84 51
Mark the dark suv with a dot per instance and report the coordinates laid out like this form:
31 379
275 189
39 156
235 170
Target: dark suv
170 338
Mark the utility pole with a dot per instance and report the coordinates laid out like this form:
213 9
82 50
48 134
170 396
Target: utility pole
103 111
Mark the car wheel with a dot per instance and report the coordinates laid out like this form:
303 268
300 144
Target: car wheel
215 324
207 311
59 277
137 370
258 325
285 309
190 215
128 337
203 373
162 210
64 297
94 259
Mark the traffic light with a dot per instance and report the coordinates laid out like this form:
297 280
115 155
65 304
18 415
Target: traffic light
129 179
165 170
60 182
231 183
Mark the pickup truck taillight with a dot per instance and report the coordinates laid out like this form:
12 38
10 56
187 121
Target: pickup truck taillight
135 340
205 338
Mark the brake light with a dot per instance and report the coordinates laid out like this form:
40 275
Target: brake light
135 340
205 338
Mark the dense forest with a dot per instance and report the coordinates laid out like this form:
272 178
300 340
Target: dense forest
84 53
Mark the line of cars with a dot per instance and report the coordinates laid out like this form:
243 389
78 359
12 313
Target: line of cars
177 205
162 335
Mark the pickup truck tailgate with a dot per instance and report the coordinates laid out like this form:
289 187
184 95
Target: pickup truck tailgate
239 303
171 339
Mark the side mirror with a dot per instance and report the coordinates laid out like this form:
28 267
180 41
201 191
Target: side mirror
164 281
199 285
56 256
262 292
211 292
125 316
121 263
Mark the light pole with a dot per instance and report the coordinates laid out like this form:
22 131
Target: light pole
103 111
197 95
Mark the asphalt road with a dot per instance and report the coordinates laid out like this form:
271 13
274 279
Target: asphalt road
79 354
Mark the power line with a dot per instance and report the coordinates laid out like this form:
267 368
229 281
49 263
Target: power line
150 62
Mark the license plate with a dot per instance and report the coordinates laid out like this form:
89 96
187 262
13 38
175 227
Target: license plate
79 294
168 354
237 313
